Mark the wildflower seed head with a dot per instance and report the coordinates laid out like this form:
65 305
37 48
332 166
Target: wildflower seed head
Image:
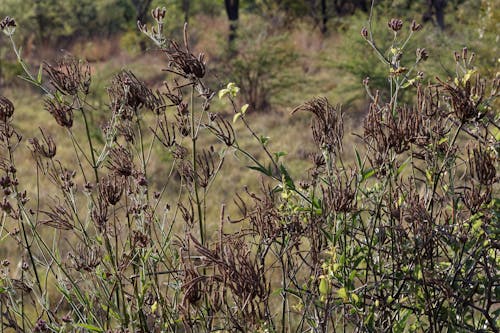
482 166
120 161
415 26
6 109
59 217
395 24
159 13
184 63
86 258
111 189
179 152
8 26
46 147
126 90
41 326
327 124
62 113
475 197
69 75
99 215
364 32
422 54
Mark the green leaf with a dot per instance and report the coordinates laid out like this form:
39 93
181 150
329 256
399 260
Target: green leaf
443 140
90 327
223 92
468 75
40 72
244 109
260 169
408 83
264 139
358 160
355 298
236 117
288 180
342 293
324 287
403 166
367 174
428 175
280 154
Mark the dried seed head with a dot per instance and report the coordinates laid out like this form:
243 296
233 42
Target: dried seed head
59 217
184 63
6 109
339 197
69 75
166 133
8 25
66 177
364 33
395 24
120 161
174 94
127 91
126 130
466 98
139 239
186 171
327 125
62 113
206 167
159 13
415 26
179 152
422 54
475 197
86 258
41 326
45 147
111 189
99 215
482 166
222 129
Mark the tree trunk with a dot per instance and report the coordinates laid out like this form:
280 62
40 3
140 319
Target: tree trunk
232 10
324 17
186 4
439 6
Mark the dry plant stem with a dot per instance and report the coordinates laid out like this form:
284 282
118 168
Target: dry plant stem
27 243
91 146
194 138
430 204
26 70
247 125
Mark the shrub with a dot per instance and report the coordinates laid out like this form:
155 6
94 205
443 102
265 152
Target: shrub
402 238
259 63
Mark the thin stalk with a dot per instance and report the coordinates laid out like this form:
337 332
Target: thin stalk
194 138
91 146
